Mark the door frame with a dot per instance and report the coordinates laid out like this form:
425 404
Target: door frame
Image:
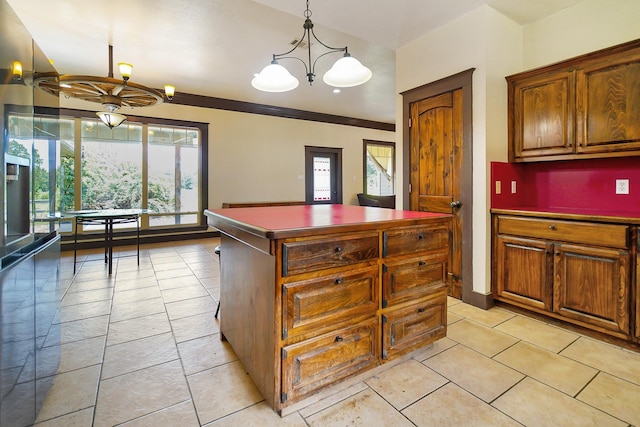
462 80
336 154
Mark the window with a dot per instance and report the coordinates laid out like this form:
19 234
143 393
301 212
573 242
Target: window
173 175
79 163
379 168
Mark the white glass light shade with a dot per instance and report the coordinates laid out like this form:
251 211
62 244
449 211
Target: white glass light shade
16 70
125 69
347 72
169 91
274 78
111 119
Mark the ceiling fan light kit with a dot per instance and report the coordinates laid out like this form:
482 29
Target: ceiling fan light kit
112 93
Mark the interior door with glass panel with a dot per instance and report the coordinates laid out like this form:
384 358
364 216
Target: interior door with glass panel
323 175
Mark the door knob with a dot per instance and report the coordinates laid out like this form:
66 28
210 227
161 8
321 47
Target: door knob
455 204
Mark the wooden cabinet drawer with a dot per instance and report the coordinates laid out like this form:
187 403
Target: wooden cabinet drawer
408 328
412 240
311 255
314 304
414 278
317 362
595 234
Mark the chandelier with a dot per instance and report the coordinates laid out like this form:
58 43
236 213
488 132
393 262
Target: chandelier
112 93
346 72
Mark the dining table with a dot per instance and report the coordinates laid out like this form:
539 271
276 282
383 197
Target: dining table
108 218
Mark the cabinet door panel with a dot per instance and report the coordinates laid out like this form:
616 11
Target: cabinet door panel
314 304
320 361
592 285
414 326
542 116
415 240
637 297
414 278
312 255
609 105
523 270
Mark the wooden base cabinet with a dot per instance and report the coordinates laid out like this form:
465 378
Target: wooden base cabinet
574 270
306 308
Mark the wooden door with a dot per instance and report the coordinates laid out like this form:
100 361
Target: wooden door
436 168
323 175
524 269
541 115
608 104
591 285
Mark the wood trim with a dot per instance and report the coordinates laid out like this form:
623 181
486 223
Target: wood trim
462 80
252 108
577 61
202 101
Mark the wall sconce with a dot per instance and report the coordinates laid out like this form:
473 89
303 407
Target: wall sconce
16 70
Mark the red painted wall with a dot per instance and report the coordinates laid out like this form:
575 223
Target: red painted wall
579 186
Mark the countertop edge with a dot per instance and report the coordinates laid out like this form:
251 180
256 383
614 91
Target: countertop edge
566 215
219 221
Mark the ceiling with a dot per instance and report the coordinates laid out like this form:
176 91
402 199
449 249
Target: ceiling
214 47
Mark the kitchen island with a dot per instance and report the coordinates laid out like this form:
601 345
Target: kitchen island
313 295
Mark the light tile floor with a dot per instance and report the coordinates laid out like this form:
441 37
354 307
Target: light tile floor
142 348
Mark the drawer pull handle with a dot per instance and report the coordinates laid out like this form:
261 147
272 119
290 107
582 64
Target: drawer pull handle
553 227
421 263
338 249
421 310
338 339
338 281
420 236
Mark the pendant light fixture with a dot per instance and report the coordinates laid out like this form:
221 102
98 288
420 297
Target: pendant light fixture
346 72
112 93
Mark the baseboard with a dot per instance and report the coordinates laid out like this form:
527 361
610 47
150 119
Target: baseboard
484 301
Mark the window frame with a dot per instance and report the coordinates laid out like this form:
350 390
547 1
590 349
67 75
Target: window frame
336 156
203 162
365 144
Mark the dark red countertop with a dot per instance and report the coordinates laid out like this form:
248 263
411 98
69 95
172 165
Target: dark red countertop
282 221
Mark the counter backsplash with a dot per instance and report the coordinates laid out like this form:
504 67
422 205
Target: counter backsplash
578 186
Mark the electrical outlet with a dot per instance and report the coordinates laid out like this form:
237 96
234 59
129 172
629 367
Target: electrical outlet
622 186
513 187
498 187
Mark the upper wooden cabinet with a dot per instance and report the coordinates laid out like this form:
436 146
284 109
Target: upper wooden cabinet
585 107
608 105
543 115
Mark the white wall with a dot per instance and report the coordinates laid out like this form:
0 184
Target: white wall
254 158
588 26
